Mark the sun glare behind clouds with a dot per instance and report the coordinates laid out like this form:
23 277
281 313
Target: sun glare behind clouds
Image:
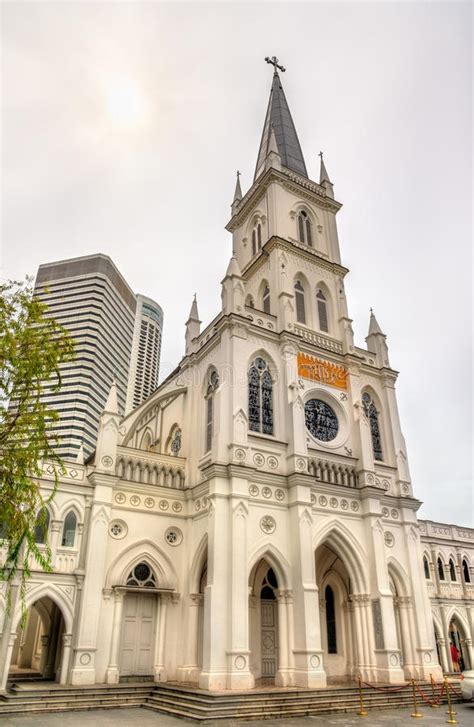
125 102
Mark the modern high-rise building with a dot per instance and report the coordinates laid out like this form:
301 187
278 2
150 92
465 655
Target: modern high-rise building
117 334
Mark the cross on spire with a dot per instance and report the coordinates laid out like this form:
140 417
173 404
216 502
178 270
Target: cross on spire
321 155
275 63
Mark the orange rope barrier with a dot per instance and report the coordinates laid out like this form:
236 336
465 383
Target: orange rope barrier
431 702
387 690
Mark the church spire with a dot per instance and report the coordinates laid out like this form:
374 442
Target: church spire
373 324
237 194
279 117
323 174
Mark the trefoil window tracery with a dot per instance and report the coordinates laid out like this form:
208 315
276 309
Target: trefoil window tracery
211 389
304 229
141 576
260 397
372 415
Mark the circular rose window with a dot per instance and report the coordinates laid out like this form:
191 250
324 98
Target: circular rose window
321 420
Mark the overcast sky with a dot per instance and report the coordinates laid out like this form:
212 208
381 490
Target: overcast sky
123 125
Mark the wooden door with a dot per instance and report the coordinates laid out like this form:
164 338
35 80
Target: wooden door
138 634
268 638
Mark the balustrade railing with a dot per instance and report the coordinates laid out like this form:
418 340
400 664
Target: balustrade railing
333 473
152 469
330 344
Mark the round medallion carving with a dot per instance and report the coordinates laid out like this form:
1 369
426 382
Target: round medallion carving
333 502
177 507
272 462
240 662
427 657
266 492
354 505
323 501
149 502
120 498
259 459
344 504
313 499
163 504
394 513
240 454
314 661
268 524
197 505
254 491
135 500
279 495
393 659
301 464
385 512
385 484
405 489
173 536
370 479
118 529
107 461
85 659
389 539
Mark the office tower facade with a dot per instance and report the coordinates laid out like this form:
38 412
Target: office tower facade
92 300
146 348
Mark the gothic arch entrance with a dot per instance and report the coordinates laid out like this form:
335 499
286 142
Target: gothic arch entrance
39 646
263 623
334 586
138 634
457 637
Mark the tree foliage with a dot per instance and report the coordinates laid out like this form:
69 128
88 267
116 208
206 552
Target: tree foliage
32 347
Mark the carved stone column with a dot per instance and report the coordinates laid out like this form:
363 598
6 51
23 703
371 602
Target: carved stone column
159 668
113 675
189 672
282 675
67 641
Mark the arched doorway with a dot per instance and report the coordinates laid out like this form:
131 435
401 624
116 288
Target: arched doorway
334 587
263 623
458 638
138 636
38 648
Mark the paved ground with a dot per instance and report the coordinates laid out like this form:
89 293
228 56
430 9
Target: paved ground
145 718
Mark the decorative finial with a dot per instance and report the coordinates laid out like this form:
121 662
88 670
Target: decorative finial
238 174
321 155
371 311
275 63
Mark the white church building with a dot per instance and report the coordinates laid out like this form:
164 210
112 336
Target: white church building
253 521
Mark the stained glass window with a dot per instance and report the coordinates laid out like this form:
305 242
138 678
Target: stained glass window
426 567
260 397
304 229
141 576
42 525
452 570
322 311
373 416
256 238
176 442
211 388
69 530
465 570
331 620
440 569
321 420
299 301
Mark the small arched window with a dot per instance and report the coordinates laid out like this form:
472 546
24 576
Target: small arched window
304 229
260 397
331 620
42 525
373 416
211 388
465 571
440 569
69 530
322 311
257 238
426 567
299 302
266 299
452 570
141 576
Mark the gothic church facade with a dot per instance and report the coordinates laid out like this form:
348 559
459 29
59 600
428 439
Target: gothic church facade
253 521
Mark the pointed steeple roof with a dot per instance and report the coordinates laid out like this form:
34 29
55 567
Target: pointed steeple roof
193 313
233 268
374 325
279 117
111 405
238 190
323 174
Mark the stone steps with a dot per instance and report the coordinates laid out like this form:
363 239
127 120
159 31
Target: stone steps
199 705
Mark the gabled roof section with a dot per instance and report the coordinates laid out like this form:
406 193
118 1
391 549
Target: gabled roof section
279 117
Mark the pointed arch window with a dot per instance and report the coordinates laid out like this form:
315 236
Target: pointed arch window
465 571
304 229
260 393
69 530
440 569
266 299
426 567
452 570
373 416
257 238
211 389
331 620
322 311
300 303
141 576
42 526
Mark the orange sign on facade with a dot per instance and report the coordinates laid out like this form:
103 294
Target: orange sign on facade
318 370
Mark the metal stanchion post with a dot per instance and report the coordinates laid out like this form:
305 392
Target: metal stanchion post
415 713
433 693
362 712
452 719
